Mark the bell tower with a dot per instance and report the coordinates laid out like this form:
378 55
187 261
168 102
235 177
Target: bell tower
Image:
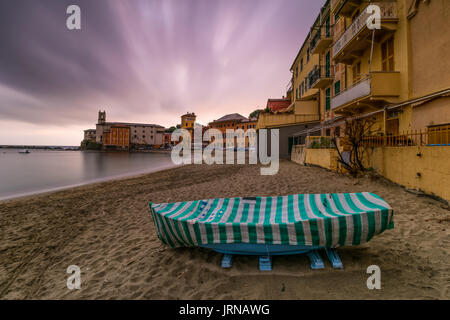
101 116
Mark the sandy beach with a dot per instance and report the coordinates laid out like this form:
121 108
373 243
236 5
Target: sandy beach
107 231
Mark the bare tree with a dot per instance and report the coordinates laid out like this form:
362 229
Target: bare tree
355 131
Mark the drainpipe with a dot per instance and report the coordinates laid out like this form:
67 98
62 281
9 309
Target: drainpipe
371 51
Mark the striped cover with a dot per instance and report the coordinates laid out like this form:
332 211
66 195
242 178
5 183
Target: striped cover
327 220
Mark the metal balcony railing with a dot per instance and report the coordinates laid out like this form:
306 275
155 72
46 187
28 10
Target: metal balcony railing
320 72
324 32
388 11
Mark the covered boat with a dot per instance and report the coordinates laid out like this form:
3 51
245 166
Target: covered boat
296 221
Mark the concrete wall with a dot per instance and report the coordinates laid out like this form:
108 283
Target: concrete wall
325 158
298 154
431 113
402 165
430 48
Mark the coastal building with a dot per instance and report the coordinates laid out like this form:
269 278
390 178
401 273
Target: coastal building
188 122
309 89
234 121
397 76
89 135
123 135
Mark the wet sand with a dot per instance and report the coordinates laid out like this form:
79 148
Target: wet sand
107 231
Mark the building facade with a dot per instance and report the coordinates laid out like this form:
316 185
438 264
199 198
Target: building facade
235 121
123 135
188 121
89 135
396 76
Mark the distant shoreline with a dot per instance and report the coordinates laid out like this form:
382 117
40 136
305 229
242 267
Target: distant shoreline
65 148
74 148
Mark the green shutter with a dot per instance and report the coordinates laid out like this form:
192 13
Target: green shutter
327 99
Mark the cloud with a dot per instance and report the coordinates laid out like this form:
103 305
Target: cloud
145 60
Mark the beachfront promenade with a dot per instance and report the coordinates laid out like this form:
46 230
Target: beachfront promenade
107 231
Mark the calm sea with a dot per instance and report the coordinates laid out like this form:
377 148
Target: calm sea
42 170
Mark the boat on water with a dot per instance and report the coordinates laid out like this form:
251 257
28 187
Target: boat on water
25 151
280 225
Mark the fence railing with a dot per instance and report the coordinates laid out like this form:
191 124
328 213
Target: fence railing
324 32
388 11
433 136
319 72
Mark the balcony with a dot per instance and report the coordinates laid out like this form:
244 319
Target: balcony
289 90
344 8
357 37
322 40
268 120
372 91
321 76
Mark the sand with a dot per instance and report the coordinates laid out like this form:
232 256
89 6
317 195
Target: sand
107 231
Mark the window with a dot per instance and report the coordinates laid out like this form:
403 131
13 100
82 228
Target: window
387 55
301 64
307 55
327 27
337 87
296 93
337 131
356 70
328 133
439 134
327 99
296 72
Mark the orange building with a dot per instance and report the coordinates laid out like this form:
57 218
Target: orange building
118 136
233 121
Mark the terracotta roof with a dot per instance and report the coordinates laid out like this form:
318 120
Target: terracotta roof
231 117
277 104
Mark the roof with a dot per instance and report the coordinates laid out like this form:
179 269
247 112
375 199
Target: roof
131 124
278 104
231 117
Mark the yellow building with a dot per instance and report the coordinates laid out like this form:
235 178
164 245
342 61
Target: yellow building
398 75
188 121
309 89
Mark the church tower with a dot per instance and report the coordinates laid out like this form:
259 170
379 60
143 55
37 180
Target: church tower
101 117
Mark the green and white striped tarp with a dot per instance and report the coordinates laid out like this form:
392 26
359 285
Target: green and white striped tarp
328 220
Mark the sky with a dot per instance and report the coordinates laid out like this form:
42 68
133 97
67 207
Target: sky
146 61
